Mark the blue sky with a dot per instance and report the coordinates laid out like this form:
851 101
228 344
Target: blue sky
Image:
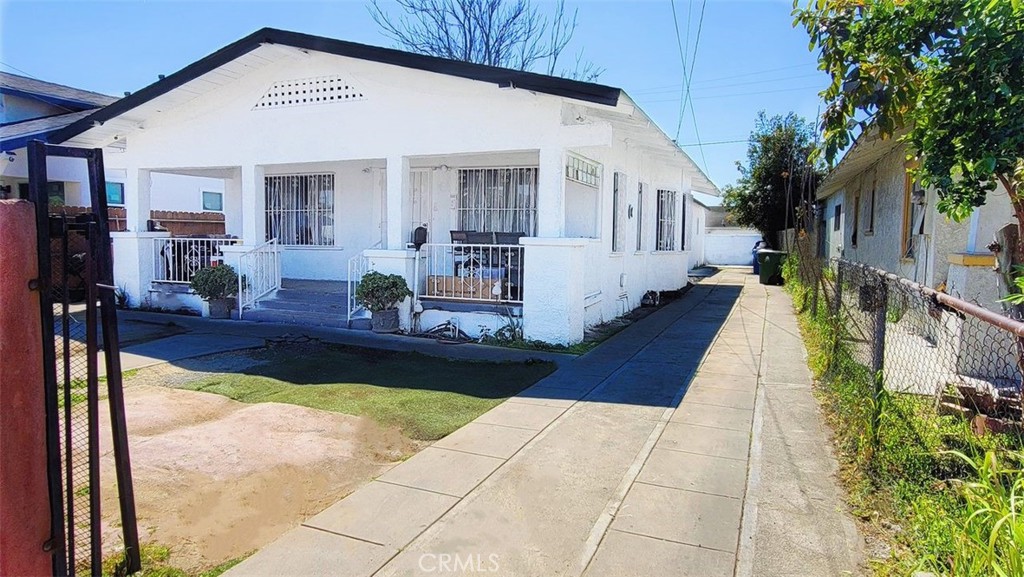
749 57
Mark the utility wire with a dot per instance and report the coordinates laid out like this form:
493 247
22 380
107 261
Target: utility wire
689 78
704 86
682 59
730 77
727 95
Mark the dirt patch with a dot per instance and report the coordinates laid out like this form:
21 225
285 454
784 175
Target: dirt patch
216 478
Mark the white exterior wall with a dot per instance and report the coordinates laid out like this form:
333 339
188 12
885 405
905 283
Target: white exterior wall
411 121
73 172
698 234
730 245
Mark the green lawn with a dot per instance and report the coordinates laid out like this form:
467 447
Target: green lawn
426 397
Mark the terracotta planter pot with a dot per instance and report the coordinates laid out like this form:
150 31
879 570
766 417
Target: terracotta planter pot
385 321
221 308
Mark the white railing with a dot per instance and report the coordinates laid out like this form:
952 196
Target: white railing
259 274
176 260
358 266
473 272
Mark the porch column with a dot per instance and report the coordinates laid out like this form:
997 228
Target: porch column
233 204
553 289
253 204
395 194
551 193
137 204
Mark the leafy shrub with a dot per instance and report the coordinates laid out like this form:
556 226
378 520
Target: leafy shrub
379 292
215 282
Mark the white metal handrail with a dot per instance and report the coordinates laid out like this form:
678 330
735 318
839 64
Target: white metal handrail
259 274
473 272
358 266
176 260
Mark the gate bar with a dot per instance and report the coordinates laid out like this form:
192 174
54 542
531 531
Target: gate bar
39 196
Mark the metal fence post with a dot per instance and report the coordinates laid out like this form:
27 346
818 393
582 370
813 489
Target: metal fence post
878 355
838 305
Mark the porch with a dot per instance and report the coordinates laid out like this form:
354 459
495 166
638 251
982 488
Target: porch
483 239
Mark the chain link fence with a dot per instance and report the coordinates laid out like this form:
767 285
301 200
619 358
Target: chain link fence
915 340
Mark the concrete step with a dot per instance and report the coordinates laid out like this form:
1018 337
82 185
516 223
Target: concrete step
312 306
316 286
310 296
296 317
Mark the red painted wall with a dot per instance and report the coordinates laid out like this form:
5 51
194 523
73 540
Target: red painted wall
24 504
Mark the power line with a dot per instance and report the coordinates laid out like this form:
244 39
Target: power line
682 59
715 142
12 67
704 86
689 78
727 95
730 77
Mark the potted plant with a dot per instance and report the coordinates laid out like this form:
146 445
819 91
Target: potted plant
380 294
218 285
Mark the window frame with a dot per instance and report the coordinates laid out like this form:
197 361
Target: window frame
640 216
618 193
515 177
856 219
106 191
870 229
837 218
325 184
910 185
665 229
202 200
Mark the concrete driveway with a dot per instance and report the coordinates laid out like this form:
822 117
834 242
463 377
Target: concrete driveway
655 454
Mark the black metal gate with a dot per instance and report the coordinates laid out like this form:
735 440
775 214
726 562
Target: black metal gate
79 321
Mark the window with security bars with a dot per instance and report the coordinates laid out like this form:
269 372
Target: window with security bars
300 209
618 192
498 200
583 171
666 222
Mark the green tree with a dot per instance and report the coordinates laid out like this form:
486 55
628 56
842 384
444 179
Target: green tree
779 177
950 72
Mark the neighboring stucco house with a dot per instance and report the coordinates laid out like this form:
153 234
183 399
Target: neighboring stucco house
552 201
871 211
33 109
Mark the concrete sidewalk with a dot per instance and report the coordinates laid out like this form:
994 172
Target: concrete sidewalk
635 459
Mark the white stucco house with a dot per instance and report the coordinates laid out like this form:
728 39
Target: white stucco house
871 211
546 201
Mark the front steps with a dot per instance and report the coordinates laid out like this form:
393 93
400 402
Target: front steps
307 302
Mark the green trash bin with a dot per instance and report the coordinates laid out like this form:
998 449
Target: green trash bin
770 262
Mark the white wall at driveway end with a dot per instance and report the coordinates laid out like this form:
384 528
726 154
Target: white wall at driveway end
729 246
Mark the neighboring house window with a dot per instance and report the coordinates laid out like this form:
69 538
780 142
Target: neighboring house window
582 170
837 218
618 192
871 204
666 235
300 209
856 220
213 201
498 200
640 217
913 215
115 193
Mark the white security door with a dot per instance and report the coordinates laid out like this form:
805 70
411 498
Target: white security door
421 190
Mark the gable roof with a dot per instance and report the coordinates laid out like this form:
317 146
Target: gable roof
73 99
585 91
17 135
868 149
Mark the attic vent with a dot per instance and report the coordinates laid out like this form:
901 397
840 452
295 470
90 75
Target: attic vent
308 91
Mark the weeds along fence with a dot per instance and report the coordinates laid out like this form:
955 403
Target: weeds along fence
912 339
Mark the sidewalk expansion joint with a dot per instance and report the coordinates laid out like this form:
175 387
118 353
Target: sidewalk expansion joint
328 531
709 493
695 545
